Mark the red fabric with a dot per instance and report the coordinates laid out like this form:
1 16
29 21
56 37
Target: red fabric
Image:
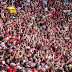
62 58
16 38
10 41
43 52
39 0
10 3
69 0
14 70
42 3
48 1
8 67
9 70
17 5
0 5
6 32
12 51
53 27
14 24
17 41
10 33
33 32
32 70
31 14
49 8
58 52
66 44
45 22
57 60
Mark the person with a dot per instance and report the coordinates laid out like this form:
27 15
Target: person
37 38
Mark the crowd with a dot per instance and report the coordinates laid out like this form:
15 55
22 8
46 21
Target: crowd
37 38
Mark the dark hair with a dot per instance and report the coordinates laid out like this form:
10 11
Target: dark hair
16 44
41 58
29 57
1 38
23 55
45 50
60 70
12 42
44 61
32 55
24 64
36 65
27 53
18 70
0 14
33 60
21 61
8 45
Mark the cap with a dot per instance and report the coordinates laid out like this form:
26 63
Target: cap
12 51
12 64
18 67
13 47
28 47
57 52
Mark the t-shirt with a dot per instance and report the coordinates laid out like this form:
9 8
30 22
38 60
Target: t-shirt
10 41
10 70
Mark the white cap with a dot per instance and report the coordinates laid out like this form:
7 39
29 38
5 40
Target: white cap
18 67
28 47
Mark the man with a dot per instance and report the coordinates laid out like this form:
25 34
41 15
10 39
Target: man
13 68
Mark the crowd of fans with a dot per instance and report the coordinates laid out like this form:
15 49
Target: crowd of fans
37 38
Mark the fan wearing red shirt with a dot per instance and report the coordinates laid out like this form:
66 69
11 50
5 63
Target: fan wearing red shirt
13 68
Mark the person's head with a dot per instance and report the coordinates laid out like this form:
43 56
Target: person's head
61 69
5 67
17 45
66 68
43 70
19 69
30 58
12 65
7 61
8 51
69 67
39 68
21 62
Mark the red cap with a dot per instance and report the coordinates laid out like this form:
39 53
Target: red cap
57 52
6 32
12 51
31 14
33 32
17 41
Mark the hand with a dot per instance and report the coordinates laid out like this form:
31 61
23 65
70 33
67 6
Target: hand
70 59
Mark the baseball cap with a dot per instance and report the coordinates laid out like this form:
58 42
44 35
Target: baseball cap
12 51
12 64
